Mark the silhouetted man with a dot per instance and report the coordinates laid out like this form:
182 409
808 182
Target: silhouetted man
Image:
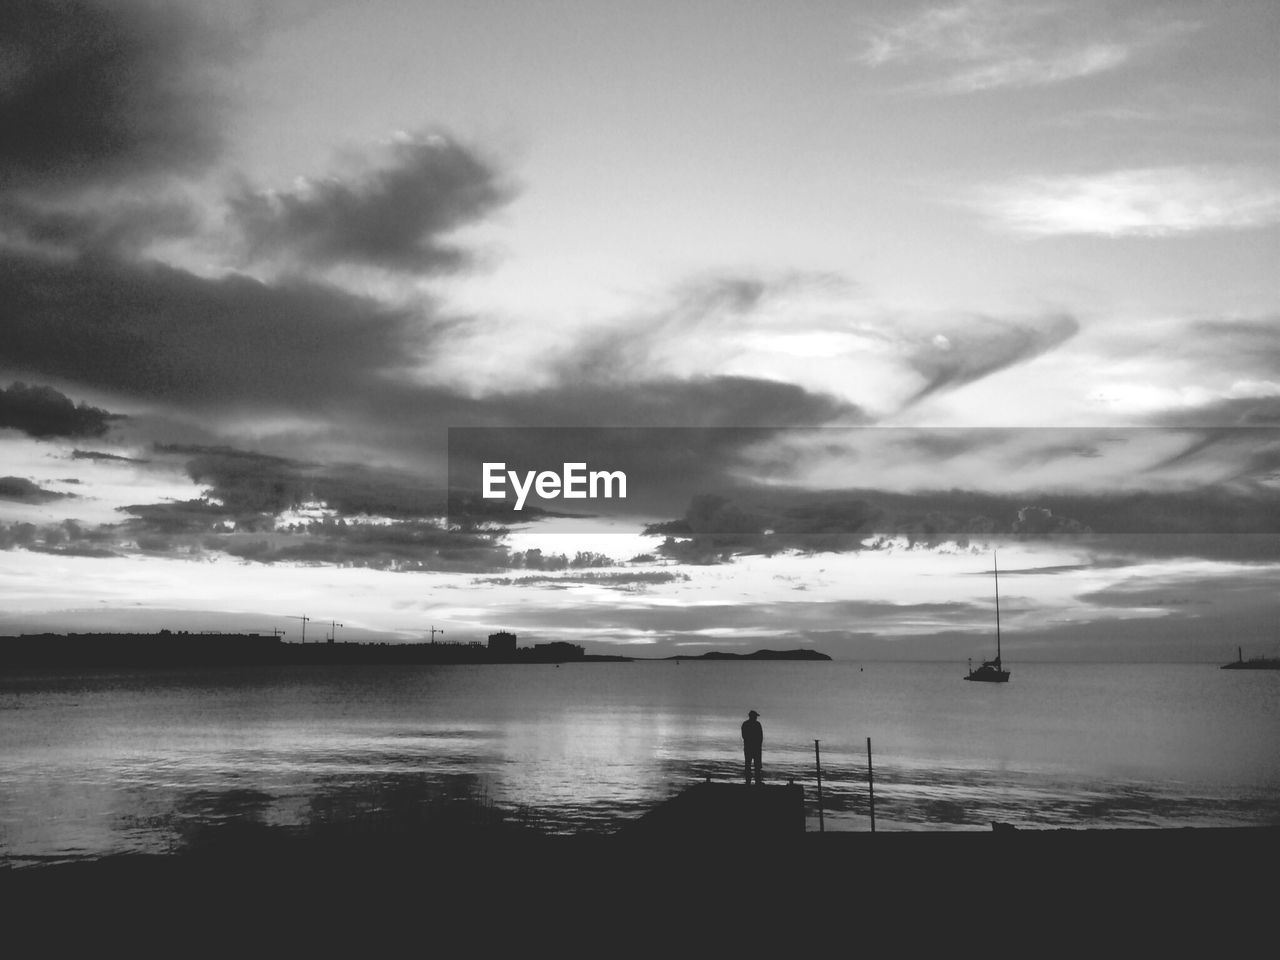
752 744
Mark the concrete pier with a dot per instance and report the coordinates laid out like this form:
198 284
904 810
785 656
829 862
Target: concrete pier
719 811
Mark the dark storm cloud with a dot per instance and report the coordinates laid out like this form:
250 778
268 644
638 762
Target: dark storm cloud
242 514
407 546
123 227
247 482
658 401
626 581
771 520
24 491
984 346
99 455
1055 569
1252 451
152 331
42 412
699 445
67 538
205 527
731 490
716 527
99 101
394 216
759 509
93 92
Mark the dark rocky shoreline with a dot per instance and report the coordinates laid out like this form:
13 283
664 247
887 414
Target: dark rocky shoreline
1066 886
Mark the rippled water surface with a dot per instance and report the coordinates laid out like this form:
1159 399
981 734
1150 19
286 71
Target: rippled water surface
108 762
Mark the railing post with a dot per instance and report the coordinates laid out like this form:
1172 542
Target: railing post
871 786
817 759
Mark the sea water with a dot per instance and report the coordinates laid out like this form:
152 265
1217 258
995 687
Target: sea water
104 762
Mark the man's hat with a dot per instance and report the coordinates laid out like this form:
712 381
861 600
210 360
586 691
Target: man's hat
752 713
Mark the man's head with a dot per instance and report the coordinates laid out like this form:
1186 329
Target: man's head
752 714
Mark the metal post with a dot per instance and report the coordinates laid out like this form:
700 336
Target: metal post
817 759
871 786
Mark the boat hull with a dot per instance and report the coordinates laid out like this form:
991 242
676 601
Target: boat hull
989 676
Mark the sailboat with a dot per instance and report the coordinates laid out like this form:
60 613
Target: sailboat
991 671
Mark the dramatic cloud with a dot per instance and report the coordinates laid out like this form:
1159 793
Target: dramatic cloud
396 215
321 334
1017 461
816 331
24 491
658 401
769 521
983 346
99 455
703 447
628 580
986 44
1179 371
247 483
931 487
123 227
40 411
269 509
67 538
93 92
402 547
98 102
151 331
774 326
1152 202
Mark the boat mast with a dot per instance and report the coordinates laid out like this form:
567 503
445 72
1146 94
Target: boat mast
995 568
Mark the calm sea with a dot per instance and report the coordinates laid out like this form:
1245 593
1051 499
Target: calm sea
111 762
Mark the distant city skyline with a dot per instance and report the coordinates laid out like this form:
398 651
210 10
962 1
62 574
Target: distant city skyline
979 275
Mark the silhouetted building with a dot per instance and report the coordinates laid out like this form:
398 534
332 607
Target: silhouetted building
502 644
558 650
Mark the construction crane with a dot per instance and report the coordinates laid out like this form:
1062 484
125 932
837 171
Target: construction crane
304 626
333 631
434 631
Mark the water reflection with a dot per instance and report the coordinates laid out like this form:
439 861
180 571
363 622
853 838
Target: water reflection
153 763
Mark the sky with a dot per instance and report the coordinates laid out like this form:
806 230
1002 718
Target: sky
864 297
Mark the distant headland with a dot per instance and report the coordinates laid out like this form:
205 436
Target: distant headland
1253 663
757 655
169 648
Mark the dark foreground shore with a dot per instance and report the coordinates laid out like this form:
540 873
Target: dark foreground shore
1041 890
